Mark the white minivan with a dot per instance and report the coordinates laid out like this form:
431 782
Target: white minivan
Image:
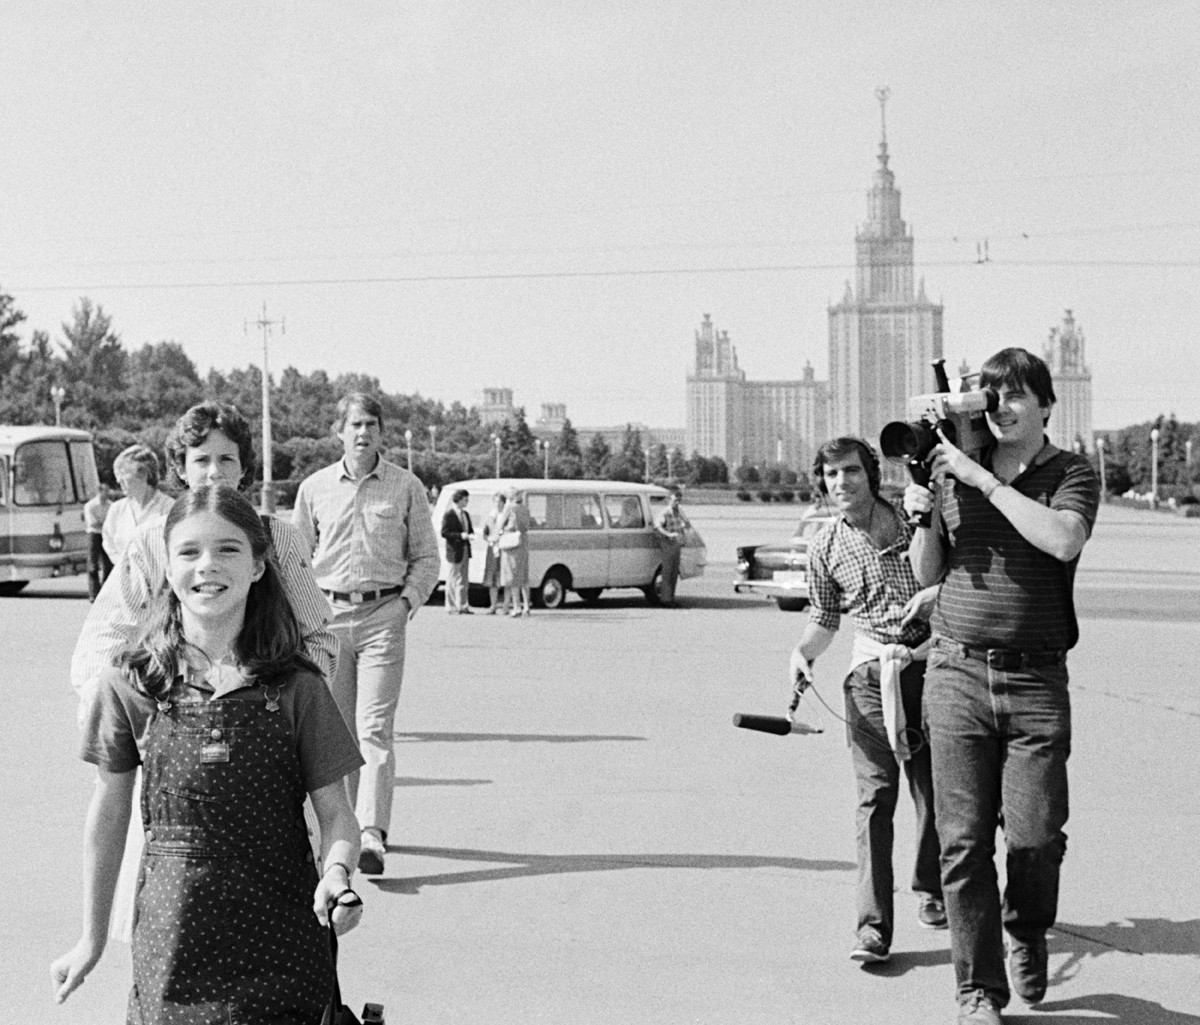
585 535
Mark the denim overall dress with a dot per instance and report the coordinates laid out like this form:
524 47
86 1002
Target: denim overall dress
224 929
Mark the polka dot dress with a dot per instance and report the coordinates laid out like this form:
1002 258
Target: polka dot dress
224 929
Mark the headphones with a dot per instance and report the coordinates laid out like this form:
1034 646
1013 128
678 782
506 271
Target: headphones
866 454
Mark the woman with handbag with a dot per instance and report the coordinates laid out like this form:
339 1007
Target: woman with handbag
491 566
233 725
514 555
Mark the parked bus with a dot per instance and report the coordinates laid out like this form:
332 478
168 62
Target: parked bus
46 474
585 535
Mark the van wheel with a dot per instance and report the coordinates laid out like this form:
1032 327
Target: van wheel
553 591
10 587
589 594
653 590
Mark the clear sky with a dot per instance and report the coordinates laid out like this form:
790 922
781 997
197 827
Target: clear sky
549 195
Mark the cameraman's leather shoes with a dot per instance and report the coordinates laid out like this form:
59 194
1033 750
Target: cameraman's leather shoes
1027 968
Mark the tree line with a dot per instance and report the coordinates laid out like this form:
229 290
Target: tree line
124 396
127 396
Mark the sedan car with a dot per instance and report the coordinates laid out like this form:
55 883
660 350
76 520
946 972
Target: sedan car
780 571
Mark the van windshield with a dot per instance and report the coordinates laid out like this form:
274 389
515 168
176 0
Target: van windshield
43 474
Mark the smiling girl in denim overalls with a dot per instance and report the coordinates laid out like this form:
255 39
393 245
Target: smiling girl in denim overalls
232 726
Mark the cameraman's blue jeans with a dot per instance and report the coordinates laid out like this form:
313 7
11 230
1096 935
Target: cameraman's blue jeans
1000 741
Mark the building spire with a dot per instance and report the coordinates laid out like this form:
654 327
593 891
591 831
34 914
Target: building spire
882 94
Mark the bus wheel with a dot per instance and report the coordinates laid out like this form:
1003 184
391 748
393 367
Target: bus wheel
589 594
553 591
10 587
653 590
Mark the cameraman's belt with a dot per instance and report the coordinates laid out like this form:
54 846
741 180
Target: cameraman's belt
1006 658
362 597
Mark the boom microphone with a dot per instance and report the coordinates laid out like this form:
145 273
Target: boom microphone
776 724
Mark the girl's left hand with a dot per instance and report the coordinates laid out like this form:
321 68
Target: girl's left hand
347 905
69 971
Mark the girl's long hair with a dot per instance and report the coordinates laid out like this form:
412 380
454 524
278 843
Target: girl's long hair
269 648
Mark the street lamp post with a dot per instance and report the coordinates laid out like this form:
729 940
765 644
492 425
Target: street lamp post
433 440
1154 468
58 393
647 473
1100 460
408 442
546 459
670 464
268 487
496 444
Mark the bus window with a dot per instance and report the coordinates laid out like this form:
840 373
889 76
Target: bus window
3 481
43 474
624 511
538 514
564 512
83 467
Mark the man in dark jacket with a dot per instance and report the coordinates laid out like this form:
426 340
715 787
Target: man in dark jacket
456 529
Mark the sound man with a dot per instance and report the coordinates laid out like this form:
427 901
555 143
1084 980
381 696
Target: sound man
859 563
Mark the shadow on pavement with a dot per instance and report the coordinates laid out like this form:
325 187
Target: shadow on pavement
418 781
904 961
512 738
519 866
1131 936
1113 1006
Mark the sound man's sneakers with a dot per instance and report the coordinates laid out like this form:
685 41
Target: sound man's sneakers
931 912
870 948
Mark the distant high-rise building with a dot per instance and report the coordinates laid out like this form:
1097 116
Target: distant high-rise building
743 421
1071 420
883 338
497 406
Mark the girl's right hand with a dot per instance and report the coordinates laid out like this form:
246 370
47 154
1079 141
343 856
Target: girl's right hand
69 971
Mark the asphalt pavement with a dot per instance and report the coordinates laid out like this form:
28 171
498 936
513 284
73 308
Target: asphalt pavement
581 835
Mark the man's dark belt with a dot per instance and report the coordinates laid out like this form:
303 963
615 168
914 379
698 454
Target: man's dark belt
1006 658
362 597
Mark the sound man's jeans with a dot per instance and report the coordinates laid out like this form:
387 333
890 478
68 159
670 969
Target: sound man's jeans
1000 739
877 778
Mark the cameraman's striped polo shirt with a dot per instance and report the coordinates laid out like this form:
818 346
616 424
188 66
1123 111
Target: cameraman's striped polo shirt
1000 591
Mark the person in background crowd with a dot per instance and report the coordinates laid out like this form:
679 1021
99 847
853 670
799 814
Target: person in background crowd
136 470
669 527
491 567
859 563
375 555
99 565
234 726
514 555
1004 538
456 530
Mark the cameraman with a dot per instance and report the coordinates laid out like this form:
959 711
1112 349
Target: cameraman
860 563
1005 539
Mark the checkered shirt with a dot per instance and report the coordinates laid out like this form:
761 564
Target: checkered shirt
847 572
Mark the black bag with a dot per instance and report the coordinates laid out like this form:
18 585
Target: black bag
338 1013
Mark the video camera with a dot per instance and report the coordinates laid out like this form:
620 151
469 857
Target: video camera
956 409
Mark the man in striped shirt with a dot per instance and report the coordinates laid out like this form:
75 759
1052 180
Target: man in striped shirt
859 563
375 555
1005 539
